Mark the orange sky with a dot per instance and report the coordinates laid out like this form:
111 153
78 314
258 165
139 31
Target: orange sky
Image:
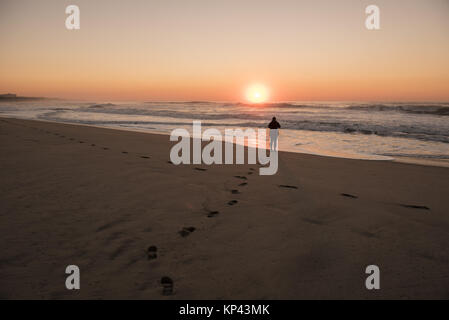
214 50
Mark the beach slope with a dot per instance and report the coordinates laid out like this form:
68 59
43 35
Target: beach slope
110 202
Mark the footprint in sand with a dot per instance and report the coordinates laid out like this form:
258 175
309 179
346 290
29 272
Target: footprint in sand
286 186
412 206
243 184
152 252
249 172
349 195
200 169
232 202
186 231
313 221
105 148
124 152
240 177
92 145
234 191
212 214
145 157
81 141
366 234
167 286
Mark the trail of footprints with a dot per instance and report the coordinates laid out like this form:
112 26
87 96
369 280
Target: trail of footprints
409 206
152 251
79 141
166 282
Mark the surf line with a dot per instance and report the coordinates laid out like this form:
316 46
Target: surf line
212 153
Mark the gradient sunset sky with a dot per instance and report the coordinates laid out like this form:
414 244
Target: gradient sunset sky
214 50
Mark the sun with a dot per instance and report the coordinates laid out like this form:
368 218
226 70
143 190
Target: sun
257 93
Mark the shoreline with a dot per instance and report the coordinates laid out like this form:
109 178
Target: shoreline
404 160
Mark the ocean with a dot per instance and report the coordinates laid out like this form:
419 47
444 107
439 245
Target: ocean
356 130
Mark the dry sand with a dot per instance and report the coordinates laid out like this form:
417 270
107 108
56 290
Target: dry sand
66 199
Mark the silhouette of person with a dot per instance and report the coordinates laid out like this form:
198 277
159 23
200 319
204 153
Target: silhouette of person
274 127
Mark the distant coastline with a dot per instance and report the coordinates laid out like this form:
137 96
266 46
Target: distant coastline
15 97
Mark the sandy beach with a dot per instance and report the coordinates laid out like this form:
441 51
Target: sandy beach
99 198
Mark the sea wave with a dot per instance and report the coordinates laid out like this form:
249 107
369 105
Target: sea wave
431 109
399 130
101 105
427 133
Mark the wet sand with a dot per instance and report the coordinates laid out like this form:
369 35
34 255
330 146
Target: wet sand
110 202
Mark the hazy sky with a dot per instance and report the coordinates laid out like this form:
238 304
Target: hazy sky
214 49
